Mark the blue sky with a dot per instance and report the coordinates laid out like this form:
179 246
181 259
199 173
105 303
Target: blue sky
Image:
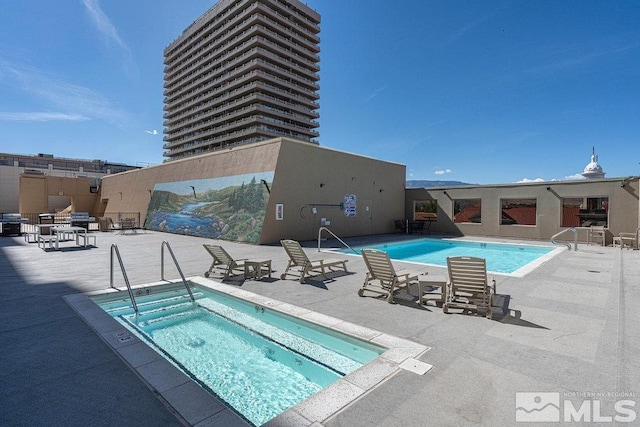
474 91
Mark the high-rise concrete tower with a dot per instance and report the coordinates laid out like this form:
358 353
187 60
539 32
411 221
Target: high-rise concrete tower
245 71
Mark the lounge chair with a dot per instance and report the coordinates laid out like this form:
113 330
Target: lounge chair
223 262
597 233
468 286
627 239
382 278
302 267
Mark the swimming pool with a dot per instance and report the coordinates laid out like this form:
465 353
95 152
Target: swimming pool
325 362
505 258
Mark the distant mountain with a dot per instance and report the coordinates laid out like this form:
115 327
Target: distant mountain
424 184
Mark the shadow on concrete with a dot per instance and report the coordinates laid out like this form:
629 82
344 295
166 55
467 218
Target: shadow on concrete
55 369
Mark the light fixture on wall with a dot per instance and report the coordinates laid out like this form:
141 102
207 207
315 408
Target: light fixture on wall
321 185
548 188
120 194
626 181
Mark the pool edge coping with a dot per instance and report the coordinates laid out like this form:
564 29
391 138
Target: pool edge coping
194 405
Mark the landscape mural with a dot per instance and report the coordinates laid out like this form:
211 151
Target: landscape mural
228 208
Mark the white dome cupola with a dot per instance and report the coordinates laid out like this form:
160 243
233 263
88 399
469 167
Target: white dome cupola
593 170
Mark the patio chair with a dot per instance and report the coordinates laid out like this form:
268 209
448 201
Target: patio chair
417 226
468 287
382 278
400 225
223 263
302 267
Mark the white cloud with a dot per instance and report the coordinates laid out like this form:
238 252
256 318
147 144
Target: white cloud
40 117
108 30
573 177
375 93
102 22
72 101
152 132
442 171
523 180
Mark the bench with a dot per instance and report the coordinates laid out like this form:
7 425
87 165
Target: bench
87 239
30 236
43 239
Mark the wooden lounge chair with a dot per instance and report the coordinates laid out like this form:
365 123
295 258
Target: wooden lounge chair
627 239
302 267
382 278
223 263
597 233
468 286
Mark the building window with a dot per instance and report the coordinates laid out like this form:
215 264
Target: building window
467 210
585 211
518 212
425 210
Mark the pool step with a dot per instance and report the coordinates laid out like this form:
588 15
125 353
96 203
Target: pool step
166 317
148 303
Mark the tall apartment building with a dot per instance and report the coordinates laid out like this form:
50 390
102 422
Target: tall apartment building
245 71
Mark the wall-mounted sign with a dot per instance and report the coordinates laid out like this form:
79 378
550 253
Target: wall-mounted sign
349 205
279 211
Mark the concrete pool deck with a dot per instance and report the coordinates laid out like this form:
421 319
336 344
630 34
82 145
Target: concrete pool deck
565 329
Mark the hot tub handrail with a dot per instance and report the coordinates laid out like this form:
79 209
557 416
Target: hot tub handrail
114 248
339 239
575 238
175 261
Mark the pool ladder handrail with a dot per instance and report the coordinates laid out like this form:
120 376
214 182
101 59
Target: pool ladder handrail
321 229
575 238
114 248
175 261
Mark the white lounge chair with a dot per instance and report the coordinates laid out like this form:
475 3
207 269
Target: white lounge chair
468 287
382 278
301 266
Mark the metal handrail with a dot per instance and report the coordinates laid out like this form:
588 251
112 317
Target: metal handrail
175 261
114 247
339 239
575 238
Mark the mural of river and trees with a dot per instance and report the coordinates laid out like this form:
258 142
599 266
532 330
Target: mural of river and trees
228 208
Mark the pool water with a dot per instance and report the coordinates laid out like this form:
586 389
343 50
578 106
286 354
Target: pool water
501 257
260 362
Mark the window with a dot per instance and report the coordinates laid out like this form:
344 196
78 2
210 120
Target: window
518 212
585 211
467 210
425 210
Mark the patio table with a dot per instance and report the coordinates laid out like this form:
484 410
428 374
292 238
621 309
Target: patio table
75 230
